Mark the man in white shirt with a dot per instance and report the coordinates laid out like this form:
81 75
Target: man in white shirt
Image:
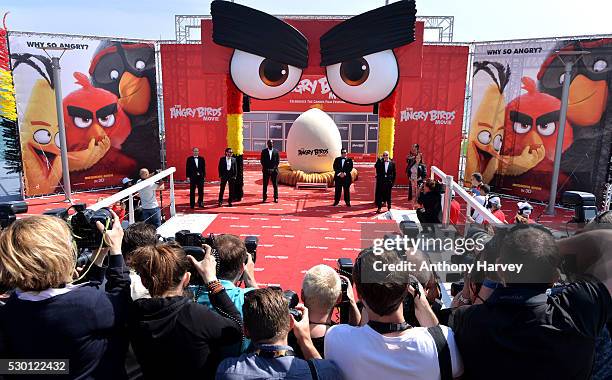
151 213
481 197
387 347
269 166
195 170
227 173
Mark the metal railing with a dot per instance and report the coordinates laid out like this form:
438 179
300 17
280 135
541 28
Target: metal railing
129 193
471 202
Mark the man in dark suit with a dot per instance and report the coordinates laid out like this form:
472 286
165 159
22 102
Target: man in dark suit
342 177
269 166
385 178
196 172
227 173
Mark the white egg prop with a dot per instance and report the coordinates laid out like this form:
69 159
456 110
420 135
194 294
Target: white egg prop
313 142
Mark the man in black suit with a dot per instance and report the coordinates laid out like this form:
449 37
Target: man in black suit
227 173
196 172
269 166
342 177
385 178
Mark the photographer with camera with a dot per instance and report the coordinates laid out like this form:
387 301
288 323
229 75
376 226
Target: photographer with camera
172 336
388 347
48 316
321 293
528 326
267 323
148 200
430 203
235 266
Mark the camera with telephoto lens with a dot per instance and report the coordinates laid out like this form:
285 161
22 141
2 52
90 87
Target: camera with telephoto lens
292 300
408 305
192 242
84 229
345 268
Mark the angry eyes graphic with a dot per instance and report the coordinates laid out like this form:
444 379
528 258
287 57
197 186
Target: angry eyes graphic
270 55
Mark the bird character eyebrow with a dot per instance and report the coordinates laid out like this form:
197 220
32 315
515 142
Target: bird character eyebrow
547 118
380 29
79 112
40 123
106 110
522 118
239 27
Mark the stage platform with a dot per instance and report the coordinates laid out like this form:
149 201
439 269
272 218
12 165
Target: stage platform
300 231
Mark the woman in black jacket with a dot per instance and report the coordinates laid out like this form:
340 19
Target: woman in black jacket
50 317
172 336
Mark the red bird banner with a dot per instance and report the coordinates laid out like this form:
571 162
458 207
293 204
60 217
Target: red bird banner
517 91
109 96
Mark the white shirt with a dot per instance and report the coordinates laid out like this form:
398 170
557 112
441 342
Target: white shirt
386 166
148 198
342 163
196 161
270 153
228 162
478 218
362 353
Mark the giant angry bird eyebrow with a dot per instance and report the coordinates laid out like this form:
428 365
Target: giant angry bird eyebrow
106 110
79 112
520 117
247 29
383 28
547 118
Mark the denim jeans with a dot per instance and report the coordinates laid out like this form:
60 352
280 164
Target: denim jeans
152 216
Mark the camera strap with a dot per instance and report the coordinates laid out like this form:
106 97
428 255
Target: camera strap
386 328
273 354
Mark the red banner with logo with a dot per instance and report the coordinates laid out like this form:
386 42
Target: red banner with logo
430 110
194 108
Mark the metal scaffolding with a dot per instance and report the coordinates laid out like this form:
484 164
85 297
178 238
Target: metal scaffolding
188 29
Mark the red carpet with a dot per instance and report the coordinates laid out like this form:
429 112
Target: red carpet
300 231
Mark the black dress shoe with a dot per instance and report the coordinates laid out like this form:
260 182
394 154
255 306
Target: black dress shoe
335 204
191 206
275 200
200 205
378 211
220 204
348 205
265 199
230 205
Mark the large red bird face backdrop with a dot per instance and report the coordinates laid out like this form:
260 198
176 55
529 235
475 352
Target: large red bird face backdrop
269 56
532 120
93 113
589 84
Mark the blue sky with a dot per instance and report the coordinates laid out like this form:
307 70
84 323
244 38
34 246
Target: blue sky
474 19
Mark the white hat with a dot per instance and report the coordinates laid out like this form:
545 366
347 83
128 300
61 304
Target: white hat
524 206
495 200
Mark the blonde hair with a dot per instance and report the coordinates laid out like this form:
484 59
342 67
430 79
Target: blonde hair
321 287
36 253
